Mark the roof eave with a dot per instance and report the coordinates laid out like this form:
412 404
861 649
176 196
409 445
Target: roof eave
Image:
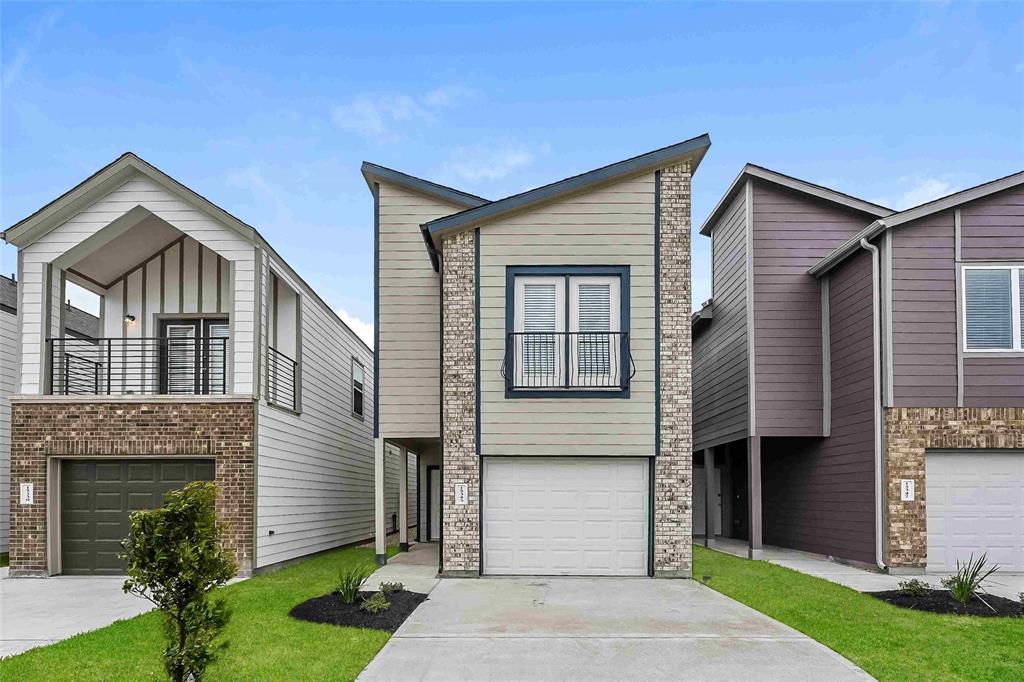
694 148
846 248
375 173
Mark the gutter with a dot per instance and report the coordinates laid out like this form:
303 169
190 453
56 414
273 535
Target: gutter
876 336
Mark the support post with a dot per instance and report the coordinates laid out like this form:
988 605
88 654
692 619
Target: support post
403 499
380 533
710 497
756 550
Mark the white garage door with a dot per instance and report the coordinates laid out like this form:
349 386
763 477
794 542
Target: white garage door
565 516
975 502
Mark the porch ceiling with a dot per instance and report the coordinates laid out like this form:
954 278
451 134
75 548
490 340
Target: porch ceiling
126 251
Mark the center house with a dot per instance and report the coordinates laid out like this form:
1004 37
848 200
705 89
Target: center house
535 353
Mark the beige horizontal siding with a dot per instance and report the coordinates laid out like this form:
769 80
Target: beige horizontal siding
612 225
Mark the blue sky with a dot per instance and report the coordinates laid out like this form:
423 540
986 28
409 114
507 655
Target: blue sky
269 109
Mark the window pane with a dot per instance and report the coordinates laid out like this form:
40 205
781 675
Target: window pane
357 373
539 339
594 350
989 314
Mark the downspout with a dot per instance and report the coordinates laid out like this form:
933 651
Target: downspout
876 336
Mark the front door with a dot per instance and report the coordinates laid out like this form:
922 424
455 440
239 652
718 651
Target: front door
194 357
434 502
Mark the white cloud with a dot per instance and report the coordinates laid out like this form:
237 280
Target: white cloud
919 190
486 162
362 329
37 31
381 115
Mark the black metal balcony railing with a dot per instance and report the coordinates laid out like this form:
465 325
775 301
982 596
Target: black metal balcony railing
567 360
281 378
141 366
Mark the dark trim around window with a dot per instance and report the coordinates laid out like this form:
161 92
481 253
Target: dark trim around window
620 271
361 414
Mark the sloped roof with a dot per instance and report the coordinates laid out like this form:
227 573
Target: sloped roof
753 171
374 173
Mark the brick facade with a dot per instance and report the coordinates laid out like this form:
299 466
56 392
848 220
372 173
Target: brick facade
41 431
673 480
909 431
460 553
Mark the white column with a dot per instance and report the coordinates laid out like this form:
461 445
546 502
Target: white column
403 499
380 534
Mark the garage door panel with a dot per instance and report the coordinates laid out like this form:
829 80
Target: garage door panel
975 505
565 516
97 497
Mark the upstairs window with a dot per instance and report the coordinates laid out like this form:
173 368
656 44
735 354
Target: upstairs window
567 331
992 308
358 377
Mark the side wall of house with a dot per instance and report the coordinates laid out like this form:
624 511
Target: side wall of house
610 225
792 232
409 330
818 493
314 467
720 363
8 383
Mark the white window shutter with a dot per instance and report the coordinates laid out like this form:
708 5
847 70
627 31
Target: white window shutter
181 359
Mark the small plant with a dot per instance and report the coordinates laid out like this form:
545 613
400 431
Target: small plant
914 587
388 588
1020 598
175 558
706 578
350 580
966 583
377 603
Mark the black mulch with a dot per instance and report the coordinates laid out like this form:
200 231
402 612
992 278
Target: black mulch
332 610
940 601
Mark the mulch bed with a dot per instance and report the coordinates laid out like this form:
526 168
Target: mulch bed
940 601
332 610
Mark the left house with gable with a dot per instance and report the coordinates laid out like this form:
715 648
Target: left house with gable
214 360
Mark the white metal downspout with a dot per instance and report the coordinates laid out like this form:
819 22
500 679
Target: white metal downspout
876 336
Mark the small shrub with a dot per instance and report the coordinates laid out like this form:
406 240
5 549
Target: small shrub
706 578
914 587
350 580
966 583
388 588
1020 598
175 558
376 603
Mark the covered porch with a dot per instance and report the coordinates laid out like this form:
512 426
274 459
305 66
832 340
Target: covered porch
407 476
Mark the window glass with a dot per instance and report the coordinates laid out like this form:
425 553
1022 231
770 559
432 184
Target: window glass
989 308
358 378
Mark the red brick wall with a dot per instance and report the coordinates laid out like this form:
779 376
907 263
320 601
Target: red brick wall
222 431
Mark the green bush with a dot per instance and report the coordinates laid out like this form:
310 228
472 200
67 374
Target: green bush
376 603
350 580
388 588
966 583
175 558
914 587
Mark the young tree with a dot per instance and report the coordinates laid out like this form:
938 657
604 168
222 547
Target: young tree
175 558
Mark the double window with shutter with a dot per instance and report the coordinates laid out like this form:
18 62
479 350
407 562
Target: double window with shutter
194 357
991 304
567 331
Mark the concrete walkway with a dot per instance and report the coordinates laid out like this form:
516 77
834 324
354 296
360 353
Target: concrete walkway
38 611
1008 585
596 629
416 569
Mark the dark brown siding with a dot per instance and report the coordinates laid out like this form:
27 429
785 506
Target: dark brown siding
924 312
720 408
993 228
792 232
818 494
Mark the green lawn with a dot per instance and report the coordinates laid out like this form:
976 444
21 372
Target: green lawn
264 642
888 642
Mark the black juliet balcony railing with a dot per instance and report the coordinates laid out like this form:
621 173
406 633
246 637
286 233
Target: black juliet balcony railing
560 361
281 371
138 366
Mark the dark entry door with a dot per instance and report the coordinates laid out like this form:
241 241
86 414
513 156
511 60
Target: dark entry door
96 497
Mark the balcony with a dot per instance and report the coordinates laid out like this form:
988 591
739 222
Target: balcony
138 366
553 364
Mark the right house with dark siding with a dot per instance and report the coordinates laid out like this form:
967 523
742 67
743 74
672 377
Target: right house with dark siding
859 374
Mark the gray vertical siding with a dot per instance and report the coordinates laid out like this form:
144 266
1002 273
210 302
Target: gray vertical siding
792 232
720 386
924 312
817 493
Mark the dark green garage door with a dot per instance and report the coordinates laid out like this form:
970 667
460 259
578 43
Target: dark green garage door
96 497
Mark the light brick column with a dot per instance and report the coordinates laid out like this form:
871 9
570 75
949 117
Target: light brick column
673 480
460 524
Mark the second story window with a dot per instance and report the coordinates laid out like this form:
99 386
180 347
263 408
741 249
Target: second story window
284 345
568 331
194 357
992 308
358 377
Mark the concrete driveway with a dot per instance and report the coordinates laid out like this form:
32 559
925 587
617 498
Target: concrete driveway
38 611
597 629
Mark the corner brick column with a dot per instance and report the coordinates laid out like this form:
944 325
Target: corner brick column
222 431
909 432
460 524
673 480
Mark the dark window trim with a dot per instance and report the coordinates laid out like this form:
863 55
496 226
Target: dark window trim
620 271
361 416
201 377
